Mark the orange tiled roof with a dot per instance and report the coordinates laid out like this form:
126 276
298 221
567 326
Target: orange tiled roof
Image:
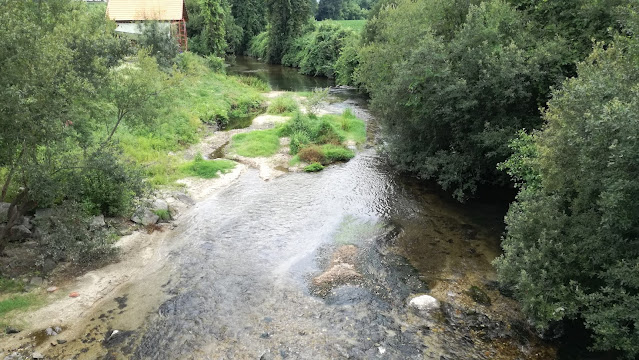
135 10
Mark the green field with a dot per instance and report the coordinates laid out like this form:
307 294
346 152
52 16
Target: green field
355 25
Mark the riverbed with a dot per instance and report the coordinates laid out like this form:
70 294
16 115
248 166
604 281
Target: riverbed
239 273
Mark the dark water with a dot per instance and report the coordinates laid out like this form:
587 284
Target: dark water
279 77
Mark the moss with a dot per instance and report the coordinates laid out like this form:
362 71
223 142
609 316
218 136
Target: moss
206 169
479 296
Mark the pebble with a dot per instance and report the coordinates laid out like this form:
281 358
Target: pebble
52 289
37 355
11 330
50 332
74 294
61 341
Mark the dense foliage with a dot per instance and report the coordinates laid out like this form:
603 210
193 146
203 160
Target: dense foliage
286 19
572 247
343 9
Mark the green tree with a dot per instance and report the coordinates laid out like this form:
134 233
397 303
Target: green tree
250 16
572 245
213 36
330 9
286 19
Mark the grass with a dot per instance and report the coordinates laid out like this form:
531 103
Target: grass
314 167
283 105
206 169
164 215
202 97
8 285
355 25
256 143
18 302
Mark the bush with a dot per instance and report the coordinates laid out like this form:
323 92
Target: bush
298 140
216 64
164 215
312 154
333 153
314 167
254 82
258 46
325 133
283 104
192 64
67 236
161 45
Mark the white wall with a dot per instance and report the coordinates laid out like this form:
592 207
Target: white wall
135 28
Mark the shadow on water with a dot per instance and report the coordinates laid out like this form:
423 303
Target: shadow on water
278 77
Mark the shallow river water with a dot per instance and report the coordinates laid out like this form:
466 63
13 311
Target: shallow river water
243 284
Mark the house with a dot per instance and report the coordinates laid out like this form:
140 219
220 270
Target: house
130 16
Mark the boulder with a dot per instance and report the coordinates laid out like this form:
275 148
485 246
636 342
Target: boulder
184 198
37 281
97 222
424 303
145 217
159 205
4 211
19 233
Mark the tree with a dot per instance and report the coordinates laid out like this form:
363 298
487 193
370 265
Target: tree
286 19
572 245
250 16
330 9
213 36
451 91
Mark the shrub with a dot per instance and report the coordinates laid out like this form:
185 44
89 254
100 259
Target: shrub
300 123
314 167
164 215
316 98
298 140
192 64
283 104
334 153
67 235
258 46
312 154
216 64
161 45
325 133
254 82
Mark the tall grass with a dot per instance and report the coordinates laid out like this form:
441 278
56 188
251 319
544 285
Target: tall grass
282 105
256 143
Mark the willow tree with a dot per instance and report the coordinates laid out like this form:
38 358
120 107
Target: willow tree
214 34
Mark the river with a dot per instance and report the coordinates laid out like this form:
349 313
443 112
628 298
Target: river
245 263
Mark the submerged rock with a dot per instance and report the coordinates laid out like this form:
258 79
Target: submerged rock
425 303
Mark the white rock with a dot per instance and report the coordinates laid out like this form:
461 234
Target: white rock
424 303
159 204
37 355
98 222
145 217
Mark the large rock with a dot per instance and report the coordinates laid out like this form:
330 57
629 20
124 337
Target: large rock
4 211
98 222
145 217
424 303
20 232
159 205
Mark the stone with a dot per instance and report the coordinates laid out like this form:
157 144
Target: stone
37 355
61 341
145 217
52 289
4 211
57 329
48 265
74 294
159 204
97 222
26 221
479 296
11 330
37 281
50 332
20 232
337 275
184 198
425 303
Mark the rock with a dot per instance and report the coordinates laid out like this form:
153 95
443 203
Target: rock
37 355
61 341
424 303
19 233
159 204
37 281
11 330
479 296
4 211
57 329
145 217
14 356
74 294
266 356
337 275
184 198
52 289
50 332
26 221
44 213
97 222
48 265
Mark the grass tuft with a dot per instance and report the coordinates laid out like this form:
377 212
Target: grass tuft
314 167
256 143
206 169
282 105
